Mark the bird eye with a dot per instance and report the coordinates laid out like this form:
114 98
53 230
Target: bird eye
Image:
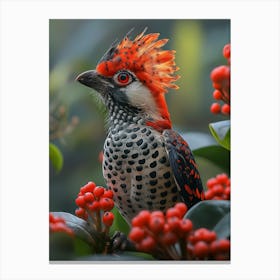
123 78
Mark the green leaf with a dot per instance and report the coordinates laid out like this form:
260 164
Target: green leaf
80 227
119 223
216 154
221 132
56 157
213 215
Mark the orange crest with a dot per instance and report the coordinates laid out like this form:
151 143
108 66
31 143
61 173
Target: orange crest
144 57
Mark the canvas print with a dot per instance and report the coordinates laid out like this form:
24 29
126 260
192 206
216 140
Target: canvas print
139 140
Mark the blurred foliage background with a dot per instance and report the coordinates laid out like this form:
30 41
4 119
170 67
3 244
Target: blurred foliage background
77 123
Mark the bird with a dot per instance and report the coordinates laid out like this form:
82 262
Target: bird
146 163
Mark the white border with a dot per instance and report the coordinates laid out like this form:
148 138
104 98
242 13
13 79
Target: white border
24 138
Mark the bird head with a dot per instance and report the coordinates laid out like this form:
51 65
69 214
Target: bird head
135 75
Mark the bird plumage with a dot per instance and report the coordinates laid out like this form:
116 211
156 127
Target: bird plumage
146 164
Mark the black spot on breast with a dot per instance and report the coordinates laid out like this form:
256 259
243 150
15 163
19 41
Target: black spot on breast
139 187
155 144
133 136
153 174
128 170
126 151
129 144
167 184
115 189
113 182
139 142
109 176
115 173
153 182
153 190
152 196
174 189
153 164
163 160
123 186
152 138
110 167
111 151
166 175
138 178
146 152
134 155
141 161
119 162
115 157
174 198
124 156
145 145
135 129
139 168
119 198
155 154
131 162
163 194
144 130
162 202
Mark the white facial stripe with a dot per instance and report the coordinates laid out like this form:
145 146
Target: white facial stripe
141 97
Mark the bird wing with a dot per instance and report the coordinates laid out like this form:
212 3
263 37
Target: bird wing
184 168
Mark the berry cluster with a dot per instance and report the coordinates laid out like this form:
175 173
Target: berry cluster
203 245
57 224
170 236
94 204
218 188
220 77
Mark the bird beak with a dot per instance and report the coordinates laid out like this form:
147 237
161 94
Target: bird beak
89 78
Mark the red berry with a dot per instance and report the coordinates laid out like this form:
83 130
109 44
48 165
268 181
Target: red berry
141 219
157 213
226 51
108 218
185 226
94 206
217 95
106 204
227 192
215 108
226 109
108 193
201 249
218 189
98 192
203 234
211 182
182 208
220 74
89 197
89 187
80 212
169 238
222 178
173 212
136 234
156 224
147 244
220 246
209 194
174 224
80 201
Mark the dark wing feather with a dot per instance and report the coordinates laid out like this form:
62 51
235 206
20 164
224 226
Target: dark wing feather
184 168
